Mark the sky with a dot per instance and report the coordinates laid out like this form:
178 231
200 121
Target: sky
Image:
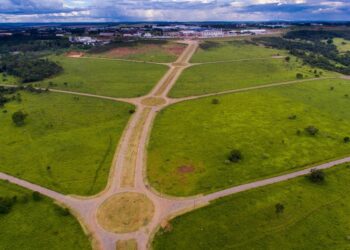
172 10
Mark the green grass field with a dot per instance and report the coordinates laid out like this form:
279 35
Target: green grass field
233 50
162 53
342 44
211 78
38 225
67 143
106 77
316 216
188 156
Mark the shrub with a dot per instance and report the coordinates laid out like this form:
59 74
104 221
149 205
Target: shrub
131 111
215 101
287 59
63 211
317 176
6 204
279 208
299 76
292 117
346 139
36 196
235 156
18 118
312 130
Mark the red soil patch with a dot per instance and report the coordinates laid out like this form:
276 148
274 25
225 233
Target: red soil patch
185 169
175 49
75 54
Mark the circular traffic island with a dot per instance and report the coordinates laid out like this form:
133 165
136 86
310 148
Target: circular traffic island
153 101
125 212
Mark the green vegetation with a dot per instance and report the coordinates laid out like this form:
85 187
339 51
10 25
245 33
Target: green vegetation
105 77
211 78
232 50
66 143
150 51
314 216
267 127
37 224
342 44
314 47
28 68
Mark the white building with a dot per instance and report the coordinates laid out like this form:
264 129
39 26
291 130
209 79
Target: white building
212 33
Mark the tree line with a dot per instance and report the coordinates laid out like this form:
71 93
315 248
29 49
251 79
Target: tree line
314 47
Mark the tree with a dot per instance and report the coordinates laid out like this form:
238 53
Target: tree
287 59
36 196
215 101
235 156
279 208
317 176
18 118
311 130
299 76
346 139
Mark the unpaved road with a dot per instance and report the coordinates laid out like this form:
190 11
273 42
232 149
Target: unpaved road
129 164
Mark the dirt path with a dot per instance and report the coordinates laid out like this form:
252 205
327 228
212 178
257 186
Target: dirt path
127 176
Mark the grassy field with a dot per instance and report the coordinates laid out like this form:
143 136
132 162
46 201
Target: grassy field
157 52
315 217
189 156
342 44
106 77
232 50
67 143
37 225
211 78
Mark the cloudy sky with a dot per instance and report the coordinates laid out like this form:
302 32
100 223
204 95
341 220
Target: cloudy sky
172 10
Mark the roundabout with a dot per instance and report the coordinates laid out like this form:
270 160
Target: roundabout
125 212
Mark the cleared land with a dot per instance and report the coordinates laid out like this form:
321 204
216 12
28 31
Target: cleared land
38 225
67 143
151 52
211 78
342 44
315 217
7 79
105 77
232 50
190 155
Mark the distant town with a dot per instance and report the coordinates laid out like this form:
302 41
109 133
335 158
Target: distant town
93 35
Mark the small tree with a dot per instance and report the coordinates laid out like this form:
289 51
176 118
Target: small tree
317 176
299 76
235 156
311 130
279 208
287 59
36 196
18 118
215 101
346 139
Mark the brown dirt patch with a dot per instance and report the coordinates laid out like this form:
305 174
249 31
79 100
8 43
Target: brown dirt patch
125 212
185 169
126 245
75 54
175 49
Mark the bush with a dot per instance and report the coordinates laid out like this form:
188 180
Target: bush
311 130
215 101
299 76
63 211
6 204
279 208
317 176
18 118
36 196
346 139
235 156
